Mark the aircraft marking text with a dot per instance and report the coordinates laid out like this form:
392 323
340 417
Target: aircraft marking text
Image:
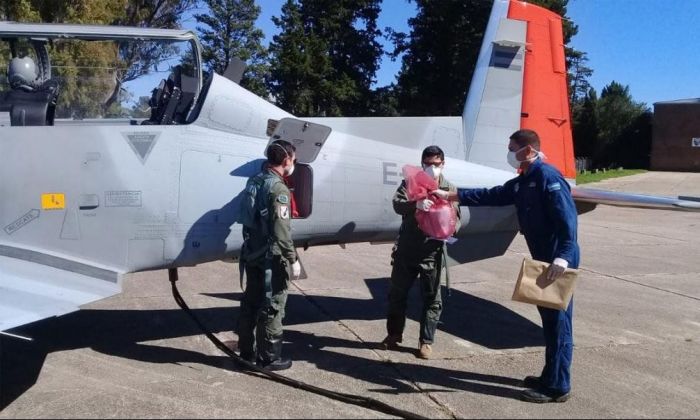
22 221
390 174
123 198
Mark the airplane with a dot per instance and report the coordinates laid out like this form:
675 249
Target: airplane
87 198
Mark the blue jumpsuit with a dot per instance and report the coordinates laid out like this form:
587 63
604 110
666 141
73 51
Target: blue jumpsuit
547 218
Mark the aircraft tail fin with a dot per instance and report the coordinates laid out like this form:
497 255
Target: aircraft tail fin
519 82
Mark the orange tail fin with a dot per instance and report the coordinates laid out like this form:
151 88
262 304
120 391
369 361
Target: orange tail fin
545 104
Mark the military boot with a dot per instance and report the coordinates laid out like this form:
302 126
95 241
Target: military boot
391 342
271 357
425 351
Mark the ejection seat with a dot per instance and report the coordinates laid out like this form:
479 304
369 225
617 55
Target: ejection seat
172 99
31 107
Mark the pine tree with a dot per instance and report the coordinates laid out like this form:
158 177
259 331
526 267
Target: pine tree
325 57
585 125
440 55
578 74
616 112
229 31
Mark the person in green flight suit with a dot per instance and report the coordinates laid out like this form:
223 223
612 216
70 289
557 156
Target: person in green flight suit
267 255
417 256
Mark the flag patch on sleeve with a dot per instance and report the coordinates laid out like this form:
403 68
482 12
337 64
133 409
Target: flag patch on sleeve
554 187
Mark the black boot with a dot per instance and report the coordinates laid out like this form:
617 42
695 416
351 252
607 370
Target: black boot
532 382
271 357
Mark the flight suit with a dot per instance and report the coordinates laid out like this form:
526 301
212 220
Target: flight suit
267 248
548 220
415 255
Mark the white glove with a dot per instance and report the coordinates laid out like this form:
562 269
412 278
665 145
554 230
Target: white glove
424 204
441 193
556 269
296 269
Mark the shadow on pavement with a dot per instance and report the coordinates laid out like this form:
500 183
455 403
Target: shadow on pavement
120 332
317 350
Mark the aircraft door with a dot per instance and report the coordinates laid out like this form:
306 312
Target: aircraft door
308 138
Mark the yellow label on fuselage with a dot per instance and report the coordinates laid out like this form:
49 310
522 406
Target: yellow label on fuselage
53 201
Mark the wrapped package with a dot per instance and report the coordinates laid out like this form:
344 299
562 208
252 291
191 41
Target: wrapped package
440 221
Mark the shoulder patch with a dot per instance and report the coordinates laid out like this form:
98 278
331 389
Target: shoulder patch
284 212
556 186
283 199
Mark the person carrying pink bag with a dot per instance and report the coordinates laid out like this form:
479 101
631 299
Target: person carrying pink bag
418 252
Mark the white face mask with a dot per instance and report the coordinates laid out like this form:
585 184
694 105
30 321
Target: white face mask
433 171
513 159
289 170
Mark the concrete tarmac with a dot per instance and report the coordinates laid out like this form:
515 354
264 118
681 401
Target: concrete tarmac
636 332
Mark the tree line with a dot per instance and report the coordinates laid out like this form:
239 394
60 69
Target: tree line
325 57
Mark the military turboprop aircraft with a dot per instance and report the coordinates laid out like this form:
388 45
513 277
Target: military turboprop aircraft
94 187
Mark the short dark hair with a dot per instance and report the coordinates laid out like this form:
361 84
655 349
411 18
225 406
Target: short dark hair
278 151
431 151
526 137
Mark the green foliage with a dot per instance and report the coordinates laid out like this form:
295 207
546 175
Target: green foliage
559 7
585 125
588 176
86 73
384 102
577 75
325 57
440 55
616 111
19 11
136 59
94 88
229 31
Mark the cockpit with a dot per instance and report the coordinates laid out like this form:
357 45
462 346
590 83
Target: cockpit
75 74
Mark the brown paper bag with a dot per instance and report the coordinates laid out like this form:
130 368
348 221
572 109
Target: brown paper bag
533 287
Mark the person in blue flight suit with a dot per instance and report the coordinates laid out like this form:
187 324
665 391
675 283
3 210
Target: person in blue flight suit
548 220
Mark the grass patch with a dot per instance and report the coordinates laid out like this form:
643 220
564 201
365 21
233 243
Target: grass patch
589 176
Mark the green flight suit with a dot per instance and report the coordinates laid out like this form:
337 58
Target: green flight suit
255 310
415 256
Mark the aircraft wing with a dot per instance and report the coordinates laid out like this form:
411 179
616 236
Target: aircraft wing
613 198
30 291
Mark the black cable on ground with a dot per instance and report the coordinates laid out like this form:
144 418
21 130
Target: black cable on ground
361 401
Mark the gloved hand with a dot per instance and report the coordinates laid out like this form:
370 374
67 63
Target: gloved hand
441 194
296 269
556 269
424 204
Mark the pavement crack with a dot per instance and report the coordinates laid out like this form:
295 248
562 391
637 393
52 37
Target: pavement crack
639 283
636 232
448 413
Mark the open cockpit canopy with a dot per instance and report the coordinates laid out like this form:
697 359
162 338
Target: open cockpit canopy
89 74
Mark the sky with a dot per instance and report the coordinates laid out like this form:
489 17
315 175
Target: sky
649 45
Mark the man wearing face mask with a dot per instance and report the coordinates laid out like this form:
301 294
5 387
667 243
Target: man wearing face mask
266 255
548 219
417 256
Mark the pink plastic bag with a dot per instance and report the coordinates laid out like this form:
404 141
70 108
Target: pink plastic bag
440 221
418 183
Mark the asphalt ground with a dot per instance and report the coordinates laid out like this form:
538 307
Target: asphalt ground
636 332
